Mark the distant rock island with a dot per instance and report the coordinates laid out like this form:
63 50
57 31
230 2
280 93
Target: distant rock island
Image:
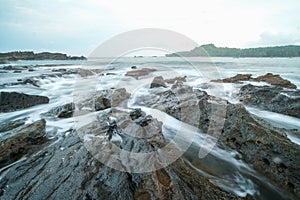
30 55
213 51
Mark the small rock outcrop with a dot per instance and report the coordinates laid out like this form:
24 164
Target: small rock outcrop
11 101
276 80
273 79
235 79
139 72
64 111
275 99
21 140
158 82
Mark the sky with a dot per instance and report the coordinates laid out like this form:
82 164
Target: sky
78 27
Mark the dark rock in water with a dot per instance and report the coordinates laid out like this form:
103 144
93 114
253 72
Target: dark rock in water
64 111
17 71
235 79
18 142
158 82
6 126
133 67
102 103
140 117
276 80
267 148
176 79
66 170
12 68
11 101
275 99
139 72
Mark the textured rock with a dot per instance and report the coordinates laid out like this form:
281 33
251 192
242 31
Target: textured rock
104 99
139 72
11 101
18 142
158 82
267 148
270 78
276 80
275 99
235 79
66 170
64 111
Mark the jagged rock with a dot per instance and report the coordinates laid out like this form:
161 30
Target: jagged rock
270 78
64 111
102 103
275 99
11 101
158 82
267 148
139 72
104 99
66 170
119 95
276 80
235 79
18 142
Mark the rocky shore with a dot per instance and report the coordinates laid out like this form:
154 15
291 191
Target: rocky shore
82 162
29 55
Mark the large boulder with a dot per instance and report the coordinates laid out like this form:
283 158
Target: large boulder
19 141
275 99
11 101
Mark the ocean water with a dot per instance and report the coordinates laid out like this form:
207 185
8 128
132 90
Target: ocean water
235 175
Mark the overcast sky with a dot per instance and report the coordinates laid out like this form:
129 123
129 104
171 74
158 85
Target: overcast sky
77 27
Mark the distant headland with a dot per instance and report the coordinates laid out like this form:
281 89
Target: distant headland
213 51
30 55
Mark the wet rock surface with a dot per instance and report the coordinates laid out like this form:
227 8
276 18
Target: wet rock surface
64 111
139 72
259 143
273 79
276 80
11 101
235 79
158 82
20 140
275 99
104 99
66 170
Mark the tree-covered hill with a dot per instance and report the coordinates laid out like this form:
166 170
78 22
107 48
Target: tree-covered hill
213 51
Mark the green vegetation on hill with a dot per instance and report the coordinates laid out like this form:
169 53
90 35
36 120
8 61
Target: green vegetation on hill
213 51
29 55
